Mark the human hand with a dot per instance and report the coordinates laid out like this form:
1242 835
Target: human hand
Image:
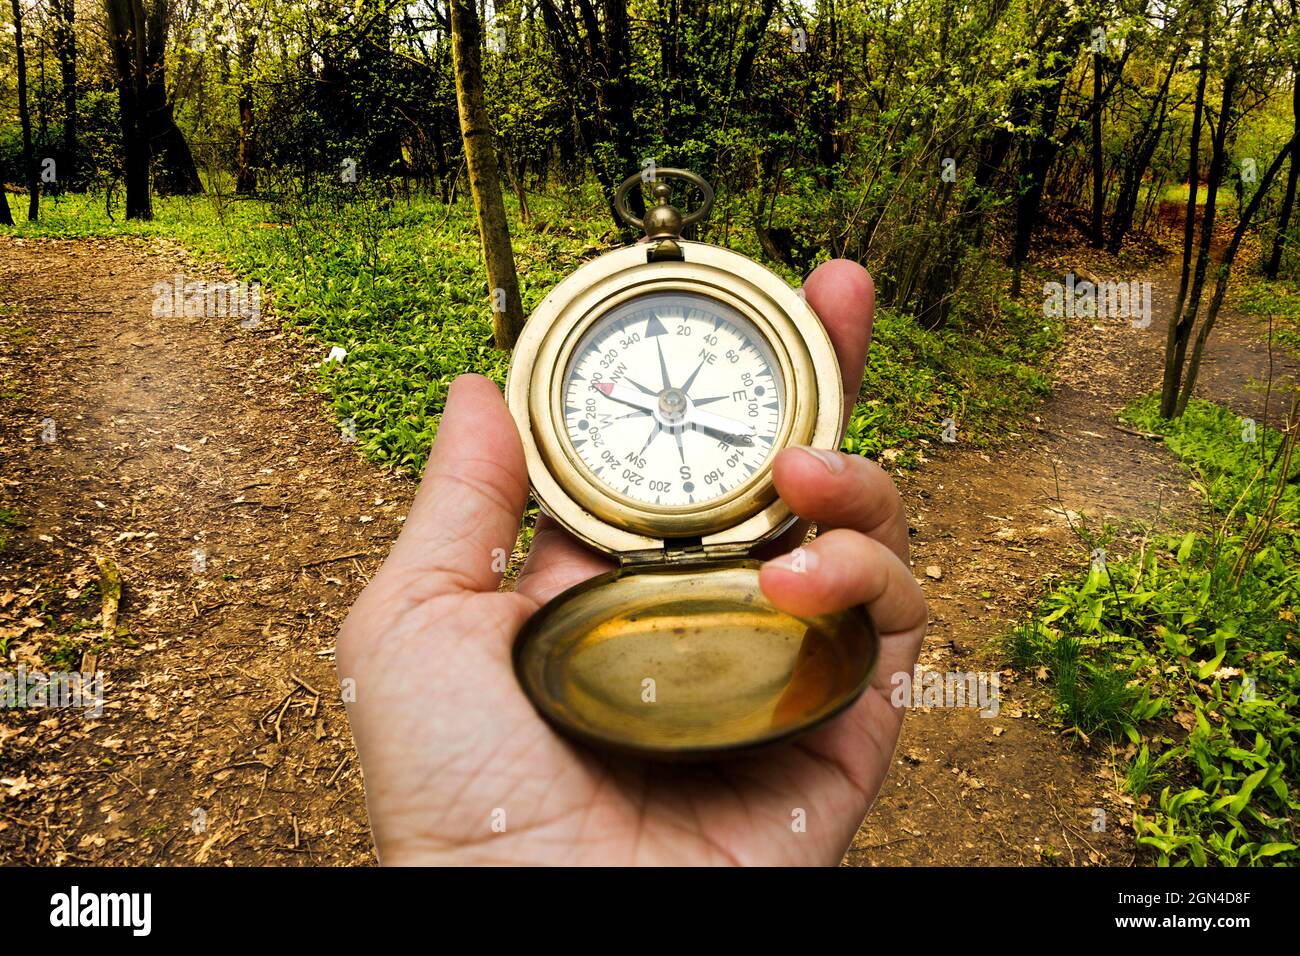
459 768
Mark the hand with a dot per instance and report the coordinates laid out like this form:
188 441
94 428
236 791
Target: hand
451 749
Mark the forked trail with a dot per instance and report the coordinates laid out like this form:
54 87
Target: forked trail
192 452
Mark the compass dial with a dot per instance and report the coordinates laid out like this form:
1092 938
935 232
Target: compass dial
673 399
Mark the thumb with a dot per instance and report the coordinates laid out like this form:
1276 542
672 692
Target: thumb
463 523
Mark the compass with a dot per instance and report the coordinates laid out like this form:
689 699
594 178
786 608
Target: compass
652 389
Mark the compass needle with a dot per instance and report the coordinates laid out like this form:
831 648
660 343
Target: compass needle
626 395
719 423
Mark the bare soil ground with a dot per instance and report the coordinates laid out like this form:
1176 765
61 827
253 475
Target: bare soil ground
192 453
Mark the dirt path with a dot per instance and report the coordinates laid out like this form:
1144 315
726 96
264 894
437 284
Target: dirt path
192 453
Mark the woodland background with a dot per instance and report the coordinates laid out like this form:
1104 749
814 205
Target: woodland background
381 166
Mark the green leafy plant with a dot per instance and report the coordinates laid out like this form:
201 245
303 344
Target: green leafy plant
1183 651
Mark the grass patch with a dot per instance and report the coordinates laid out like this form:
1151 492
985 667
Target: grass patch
400 286
1184 651
1275 298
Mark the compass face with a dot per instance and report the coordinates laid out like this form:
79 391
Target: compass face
673 399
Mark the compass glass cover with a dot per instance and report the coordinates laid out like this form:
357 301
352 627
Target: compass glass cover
673 399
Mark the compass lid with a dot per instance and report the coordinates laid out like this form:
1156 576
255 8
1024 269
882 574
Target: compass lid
689 661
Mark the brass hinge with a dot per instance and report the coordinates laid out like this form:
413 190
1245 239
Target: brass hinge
665 250
684 552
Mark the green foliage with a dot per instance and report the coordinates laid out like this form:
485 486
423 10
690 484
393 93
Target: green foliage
1186 649
401 288
1279 299
1234 459
11 155
98 140
985 376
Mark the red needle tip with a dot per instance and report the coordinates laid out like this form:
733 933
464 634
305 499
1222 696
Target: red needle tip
605 387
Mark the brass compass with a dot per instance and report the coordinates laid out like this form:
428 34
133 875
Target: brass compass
652 389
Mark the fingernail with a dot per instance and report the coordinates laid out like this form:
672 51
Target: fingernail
833 460
800 561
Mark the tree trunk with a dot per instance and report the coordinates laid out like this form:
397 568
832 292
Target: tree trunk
178 174
1179 331
1133 173
619 95
65 48
1187 322
484 175
1042 146
25 118
1177 389
1098 170
1225 269
967 231
1293 174
595 67
521 192
245 178
441 167
126 23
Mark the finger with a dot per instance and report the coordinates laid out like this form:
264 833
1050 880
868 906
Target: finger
843 568
842 491
556 562
843 295
463 523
